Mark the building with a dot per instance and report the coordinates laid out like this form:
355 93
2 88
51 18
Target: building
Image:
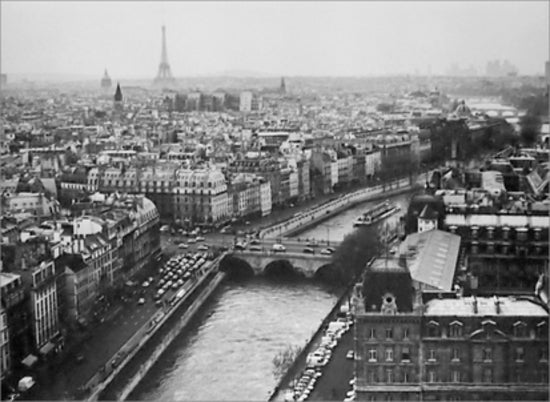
5 355
106 82
16 322
200 197
418 338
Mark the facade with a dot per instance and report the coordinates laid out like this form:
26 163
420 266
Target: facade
5 355
416 345
504 251
18 317
201 197
39 204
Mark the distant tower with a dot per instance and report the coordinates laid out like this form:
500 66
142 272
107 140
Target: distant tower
282 89
164 77
118 99
106 82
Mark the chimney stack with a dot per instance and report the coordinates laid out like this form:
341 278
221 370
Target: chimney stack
474 304
497 304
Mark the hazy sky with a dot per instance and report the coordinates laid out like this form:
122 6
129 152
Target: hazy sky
279 38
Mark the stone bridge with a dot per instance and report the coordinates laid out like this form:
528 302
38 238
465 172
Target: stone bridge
269 262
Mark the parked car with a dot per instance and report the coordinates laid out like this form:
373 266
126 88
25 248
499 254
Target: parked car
350 354
255 248
200 238
141 301
203 247
308 250
326 251
183 246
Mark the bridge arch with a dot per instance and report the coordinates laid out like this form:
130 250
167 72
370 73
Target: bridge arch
328 273
236 267
282 268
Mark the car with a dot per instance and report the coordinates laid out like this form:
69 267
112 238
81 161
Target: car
183 246
175 285
145 284
278 247
308 250
326 251
203 247
191 241
80 358
165 228
141 301
254 241
200 238
350 355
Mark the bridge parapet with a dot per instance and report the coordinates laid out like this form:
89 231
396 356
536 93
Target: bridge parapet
303 263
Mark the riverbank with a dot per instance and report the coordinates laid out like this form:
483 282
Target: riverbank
161 348
299 364
305 219
143 335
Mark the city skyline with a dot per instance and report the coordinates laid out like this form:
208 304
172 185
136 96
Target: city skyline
270 39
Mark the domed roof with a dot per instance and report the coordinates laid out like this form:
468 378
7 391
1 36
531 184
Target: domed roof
463 110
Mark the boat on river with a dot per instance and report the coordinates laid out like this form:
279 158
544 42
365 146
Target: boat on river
376 214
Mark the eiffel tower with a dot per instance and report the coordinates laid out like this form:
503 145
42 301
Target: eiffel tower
164 76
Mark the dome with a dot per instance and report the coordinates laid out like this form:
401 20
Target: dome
463 110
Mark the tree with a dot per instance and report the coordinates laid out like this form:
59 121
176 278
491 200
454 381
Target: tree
355 251
284 359
530 127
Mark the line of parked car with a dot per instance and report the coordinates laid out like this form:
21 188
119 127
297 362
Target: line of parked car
177 271
316 360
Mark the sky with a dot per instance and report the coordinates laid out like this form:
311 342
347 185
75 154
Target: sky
281 38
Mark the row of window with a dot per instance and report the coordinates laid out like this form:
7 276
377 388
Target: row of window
455 376
486 354
519 329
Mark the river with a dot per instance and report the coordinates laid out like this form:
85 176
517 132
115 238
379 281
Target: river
227 352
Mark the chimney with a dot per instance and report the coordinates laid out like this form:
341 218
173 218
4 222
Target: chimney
497 304
474 304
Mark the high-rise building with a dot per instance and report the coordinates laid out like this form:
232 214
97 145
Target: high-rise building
164 76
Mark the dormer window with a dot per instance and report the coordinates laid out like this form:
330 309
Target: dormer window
455 329
520 329
542 329
433 329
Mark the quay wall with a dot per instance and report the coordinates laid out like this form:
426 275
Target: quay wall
322 212
300 360
184 320
132 349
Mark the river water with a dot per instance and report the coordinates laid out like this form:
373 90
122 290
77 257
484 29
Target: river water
227 352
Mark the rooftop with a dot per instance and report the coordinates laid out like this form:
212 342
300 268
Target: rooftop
432 257
486 306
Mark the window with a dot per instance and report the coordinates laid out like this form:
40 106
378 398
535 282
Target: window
431 355
487 375
455 376
520 354
455 329
389 354
405 376
405 333
372 355
543 354
542 330
389 333
456 354
372 377
405 354
389 376
433 329
520 329
487 354
432 376
372 333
